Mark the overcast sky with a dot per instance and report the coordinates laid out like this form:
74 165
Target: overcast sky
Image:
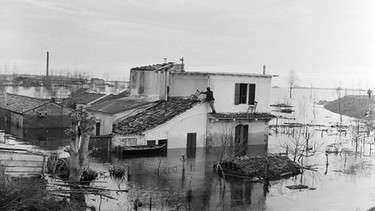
326 42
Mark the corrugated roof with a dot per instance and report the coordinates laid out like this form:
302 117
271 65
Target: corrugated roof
118 105
156 115
20 103
251 116
82 98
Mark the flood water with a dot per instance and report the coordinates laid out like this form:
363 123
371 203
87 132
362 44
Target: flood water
347 183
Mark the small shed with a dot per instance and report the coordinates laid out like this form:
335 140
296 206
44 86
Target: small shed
29 112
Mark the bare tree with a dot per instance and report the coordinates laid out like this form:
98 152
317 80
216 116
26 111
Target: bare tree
292 81
79 132
302 143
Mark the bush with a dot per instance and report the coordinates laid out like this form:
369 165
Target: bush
29 194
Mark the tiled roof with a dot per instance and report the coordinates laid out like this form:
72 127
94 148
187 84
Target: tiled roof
20 104
118 105
154 116
82 98
251 116
151 67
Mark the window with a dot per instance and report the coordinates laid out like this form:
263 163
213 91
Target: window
151 142
244 94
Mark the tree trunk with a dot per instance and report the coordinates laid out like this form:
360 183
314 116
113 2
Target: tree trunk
290 92
79 143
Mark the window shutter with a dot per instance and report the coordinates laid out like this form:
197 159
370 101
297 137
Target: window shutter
251 94
237 94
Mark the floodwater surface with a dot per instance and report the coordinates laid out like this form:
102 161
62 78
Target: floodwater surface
164 182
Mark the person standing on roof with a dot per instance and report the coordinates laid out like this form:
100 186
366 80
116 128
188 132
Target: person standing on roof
369 92
209 98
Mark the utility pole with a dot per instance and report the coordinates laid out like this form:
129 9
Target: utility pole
47 64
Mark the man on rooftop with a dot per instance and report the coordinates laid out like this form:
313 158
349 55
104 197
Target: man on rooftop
209 98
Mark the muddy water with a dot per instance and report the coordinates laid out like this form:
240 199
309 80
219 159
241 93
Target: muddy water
347 183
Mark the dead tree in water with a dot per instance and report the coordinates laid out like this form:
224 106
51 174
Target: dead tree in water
79 132
302 144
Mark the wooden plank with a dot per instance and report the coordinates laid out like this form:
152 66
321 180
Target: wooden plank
23 169
25 163
22 174
16 156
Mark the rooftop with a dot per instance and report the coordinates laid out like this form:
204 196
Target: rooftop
156 115
20 103
248 116
226 74
118 105
82 98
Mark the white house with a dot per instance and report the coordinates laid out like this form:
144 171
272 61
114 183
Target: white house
241 101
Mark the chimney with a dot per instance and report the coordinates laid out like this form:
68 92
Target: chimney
165 60
182 64
47 63
264 69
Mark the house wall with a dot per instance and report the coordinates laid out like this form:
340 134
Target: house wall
144 83
175 130
258 131
186 85
224 91
57 116
16 119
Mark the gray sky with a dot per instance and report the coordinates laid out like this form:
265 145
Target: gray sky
326 42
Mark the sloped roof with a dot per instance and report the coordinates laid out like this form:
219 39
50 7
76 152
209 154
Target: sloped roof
154 116
82 98
20 103
251 116
151 67
112 97
118 105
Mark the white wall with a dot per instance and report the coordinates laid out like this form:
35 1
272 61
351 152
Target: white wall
258 131
175 130
224 89
186 85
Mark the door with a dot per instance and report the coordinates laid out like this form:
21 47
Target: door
191 145
97 131
241 140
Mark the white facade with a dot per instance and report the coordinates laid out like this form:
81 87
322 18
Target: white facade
175 131
197 121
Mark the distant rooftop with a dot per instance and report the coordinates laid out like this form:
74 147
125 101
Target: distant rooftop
20 103
82 98
154 116
176 69
118 105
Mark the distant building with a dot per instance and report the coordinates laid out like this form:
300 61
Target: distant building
28 112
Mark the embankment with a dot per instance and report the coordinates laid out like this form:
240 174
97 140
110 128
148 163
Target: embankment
358 106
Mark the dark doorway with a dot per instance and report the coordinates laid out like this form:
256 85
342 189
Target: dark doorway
191 145
97 126
241 140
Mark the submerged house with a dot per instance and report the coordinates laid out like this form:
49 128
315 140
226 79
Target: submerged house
182 120
28 112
